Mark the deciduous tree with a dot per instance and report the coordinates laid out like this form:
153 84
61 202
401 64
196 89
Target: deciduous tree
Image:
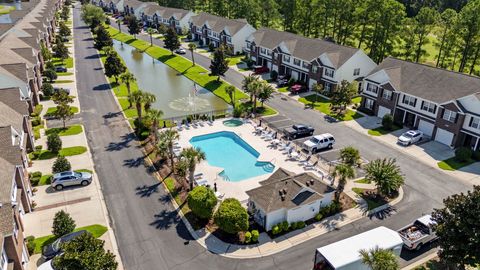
202 200
114 66
231 217
219 63
172 42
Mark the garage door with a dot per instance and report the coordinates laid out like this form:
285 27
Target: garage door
382 111
426 127
444 136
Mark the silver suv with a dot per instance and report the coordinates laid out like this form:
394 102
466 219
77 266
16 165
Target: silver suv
69 178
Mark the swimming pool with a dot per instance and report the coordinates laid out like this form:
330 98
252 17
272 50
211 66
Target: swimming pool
227 150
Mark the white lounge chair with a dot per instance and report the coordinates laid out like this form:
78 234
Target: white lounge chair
287 150
310 166
266 134
201 182
305 161
269 137
198 175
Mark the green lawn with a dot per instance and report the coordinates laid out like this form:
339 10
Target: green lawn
70 130
363 181
283 89
66 152
356 100
6 9
129 113
371 203
64 73
382 131
235 60
323 105
182 65
68 63
36 131
452 164
96 230
84 170
52 110
63 81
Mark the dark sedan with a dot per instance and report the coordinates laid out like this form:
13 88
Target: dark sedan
55 248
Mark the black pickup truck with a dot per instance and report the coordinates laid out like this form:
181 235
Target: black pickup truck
298 131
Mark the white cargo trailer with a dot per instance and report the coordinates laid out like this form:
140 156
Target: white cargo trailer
345 254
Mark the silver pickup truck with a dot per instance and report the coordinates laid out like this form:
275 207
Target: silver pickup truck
418 233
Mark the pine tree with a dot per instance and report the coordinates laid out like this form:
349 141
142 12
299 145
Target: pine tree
171 40
219 64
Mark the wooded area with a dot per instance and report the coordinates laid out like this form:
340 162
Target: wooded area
443 33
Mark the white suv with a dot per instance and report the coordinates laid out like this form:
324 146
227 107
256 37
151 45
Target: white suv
318 142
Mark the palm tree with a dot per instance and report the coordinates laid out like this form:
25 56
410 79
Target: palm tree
379 259
350 155
230 90
149 99
386 175
255 88
168 138
343 172
138 98
192 47
247 81
155 116
192 156
266 93
127 78
119 23
151 31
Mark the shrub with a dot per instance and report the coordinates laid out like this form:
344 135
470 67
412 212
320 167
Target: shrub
35 154
476 155
249 63
318 217
38 148
291 82
211 47
274 75
63 224
36 174
34 181
387 122
36 121
238 111
293 226
31 244
276 230
300 225
33 115
248 237
231 217
61 164
54 143
284 225
50 74
47 89
463 154
38 109
202 201
255 236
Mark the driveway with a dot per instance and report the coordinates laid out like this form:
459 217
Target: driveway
149 232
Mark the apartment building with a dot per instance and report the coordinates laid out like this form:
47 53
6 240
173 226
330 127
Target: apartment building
178 19
445 105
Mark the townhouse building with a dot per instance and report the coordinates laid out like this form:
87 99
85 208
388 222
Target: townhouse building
113 6
443 104
307 60
134 7
210 29
175 18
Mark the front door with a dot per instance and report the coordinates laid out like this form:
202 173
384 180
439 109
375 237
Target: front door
409 119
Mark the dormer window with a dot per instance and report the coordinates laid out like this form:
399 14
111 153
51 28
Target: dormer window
372 88
329 72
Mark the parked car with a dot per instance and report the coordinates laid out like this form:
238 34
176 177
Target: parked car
319 142
260 70
55 248
180 51
298 131
418 233
58 89
69 178
60 69
410 137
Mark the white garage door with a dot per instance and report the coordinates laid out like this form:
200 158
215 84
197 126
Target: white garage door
444 136
382 111
426 127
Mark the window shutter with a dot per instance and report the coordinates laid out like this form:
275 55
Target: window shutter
471 121
403 101
456 117
423 102
415 103
434 108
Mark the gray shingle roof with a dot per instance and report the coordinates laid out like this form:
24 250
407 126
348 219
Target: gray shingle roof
7 174
10 117
6 221
302 47
12 97
218 24
430 83
297 190
8 151
166 12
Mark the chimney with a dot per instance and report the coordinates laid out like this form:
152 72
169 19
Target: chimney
282 197
311 182
307 183
280 192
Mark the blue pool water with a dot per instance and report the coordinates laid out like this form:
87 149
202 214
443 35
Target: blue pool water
228 151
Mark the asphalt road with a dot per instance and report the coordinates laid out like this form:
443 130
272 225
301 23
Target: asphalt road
149 232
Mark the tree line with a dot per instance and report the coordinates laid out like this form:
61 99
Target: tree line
444 33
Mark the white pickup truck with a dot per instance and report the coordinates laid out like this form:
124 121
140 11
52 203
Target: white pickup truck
418 233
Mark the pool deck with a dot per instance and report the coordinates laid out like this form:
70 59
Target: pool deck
246 132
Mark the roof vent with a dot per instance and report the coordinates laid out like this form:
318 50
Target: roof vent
308 184
284 191
280 192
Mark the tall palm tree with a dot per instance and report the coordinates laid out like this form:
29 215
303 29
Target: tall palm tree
230 90
150 32
168 138
386 175
192 47
137 98
155 116
343 172
149 99
255 88
379 259
247 81
192 156
127 78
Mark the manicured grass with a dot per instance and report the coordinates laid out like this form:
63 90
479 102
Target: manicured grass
363 181
371 203
84 170
235 60
323 105
452 164
45 179
64 73
70 130
283 89
382 131
6 9
36 131
67 151
68 63
184 66
356 100
52 110
129 113
121 90
63 81
96 230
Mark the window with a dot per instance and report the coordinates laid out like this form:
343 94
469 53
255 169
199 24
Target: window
305 65
297 62
15 229
263 50
229 39
369 104
474 122
356 72
314 69
329 72
286 58
429 107
408 100
3 260
328 86
387 94
449 116
372 88
14 192
269 53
